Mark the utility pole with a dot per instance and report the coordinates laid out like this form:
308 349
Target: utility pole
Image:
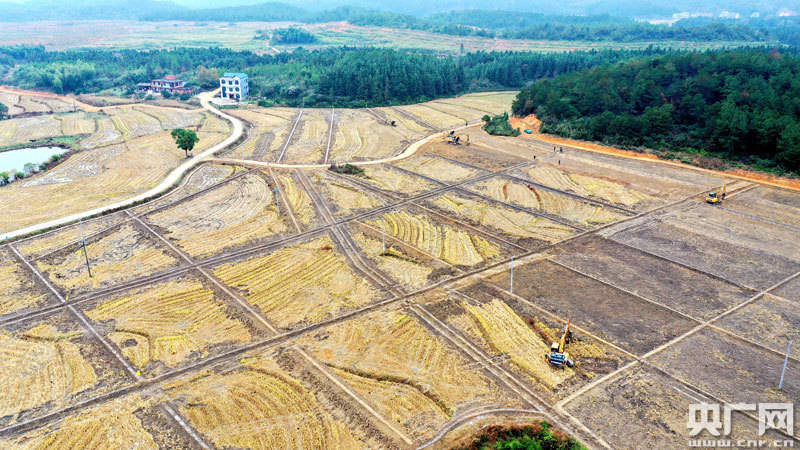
511 281
85 254
383 234
785 362
277 200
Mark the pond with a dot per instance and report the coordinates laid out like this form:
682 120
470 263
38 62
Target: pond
16 159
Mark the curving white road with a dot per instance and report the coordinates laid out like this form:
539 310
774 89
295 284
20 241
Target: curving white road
167 183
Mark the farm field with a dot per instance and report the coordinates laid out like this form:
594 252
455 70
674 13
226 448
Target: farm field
455 246
96 176
359 136
279 330
50 363
519 340
260 404
119 254
391 180
310 138
269 129
519 226
18 291
168 324
298 199
581 213
27 129
344 198
233 214
299 285
420 386
438 169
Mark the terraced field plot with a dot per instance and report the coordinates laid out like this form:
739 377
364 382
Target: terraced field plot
404 371
118 255
310 138
524 228
581 213
22 130
395 181
261 405
299 285
132 123
18 289
269 129
346 199
359 136
236 213
170 119
48 364
438 168
455 246
128 422
169 324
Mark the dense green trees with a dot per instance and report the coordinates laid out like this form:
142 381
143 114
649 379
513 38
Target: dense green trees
332 76
291 35
743 104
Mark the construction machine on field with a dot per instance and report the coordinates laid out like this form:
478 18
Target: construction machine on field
714 198
558 356
457 139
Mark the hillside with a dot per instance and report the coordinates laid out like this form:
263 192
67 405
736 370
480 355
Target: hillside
740 105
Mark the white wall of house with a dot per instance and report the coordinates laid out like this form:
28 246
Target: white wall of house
234 87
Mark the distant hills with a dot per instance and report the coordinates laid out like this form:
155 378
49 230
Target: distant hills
30 10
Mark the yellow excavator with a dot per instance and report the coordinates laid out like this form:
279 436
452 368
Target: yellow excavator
457 139
558 356
714 198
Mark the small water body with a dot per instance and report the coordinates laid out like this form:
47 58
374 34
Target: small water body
16 159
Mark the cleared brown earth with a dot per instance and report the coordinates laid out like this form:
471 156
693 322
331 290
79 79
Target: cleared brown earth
623 319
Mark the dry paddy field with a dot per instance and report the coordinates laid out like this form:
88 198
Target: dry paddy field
239 212
48 363
105 173
299 285
272 331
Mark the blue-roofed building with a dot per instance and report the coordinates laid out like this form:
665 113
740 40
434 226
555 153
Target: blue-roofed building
234 86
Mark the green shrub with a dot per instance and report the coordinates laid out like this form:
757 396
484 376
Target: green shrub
499 126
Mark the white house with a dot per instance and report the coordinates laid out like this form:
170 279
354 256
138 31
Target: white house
234 86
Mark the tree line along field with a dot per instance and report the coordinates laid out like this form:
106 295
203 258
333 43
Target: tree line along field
294 321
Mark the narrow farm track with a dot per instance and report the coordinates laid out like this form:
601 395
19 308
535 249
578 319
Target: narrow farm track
344 240
289 137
